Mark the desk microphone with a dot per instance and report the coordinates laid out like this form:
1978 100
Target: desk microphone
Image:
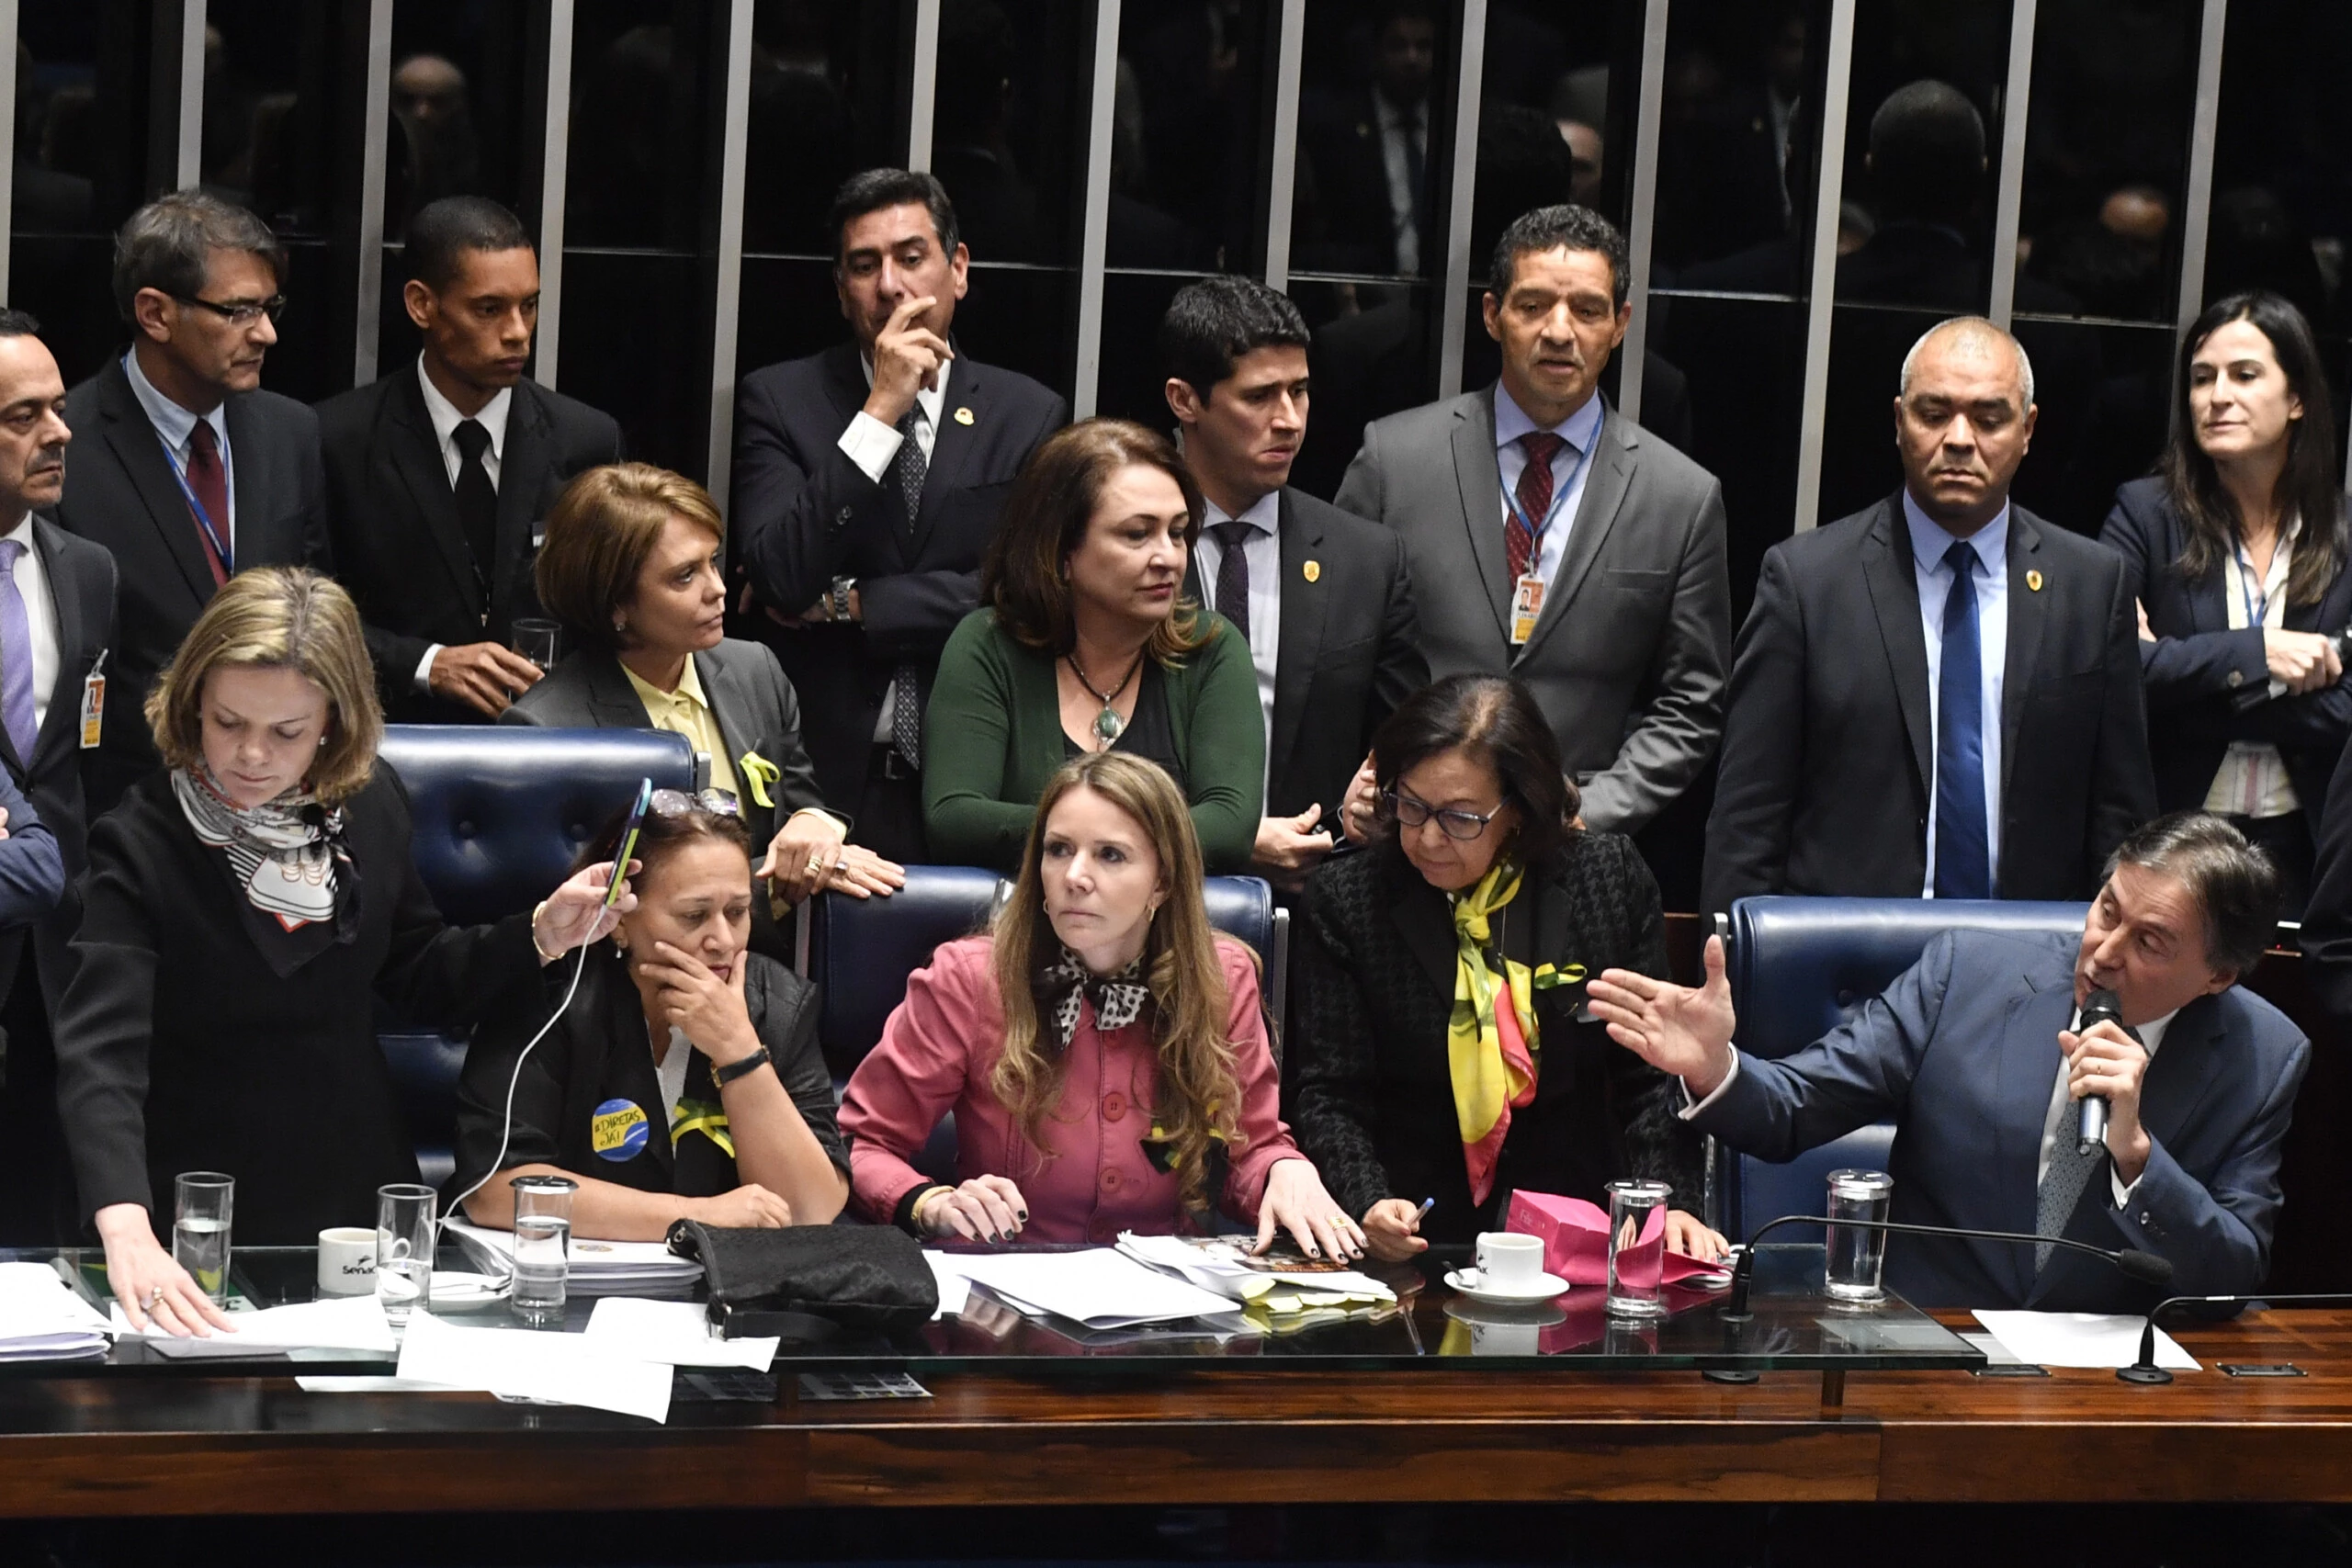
2146 1370
2145 1267
2100 1006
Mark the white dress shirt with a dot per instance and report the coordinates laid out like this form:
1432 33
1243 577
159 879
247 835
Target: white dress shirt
41 619
175 425
1403 131
446 420
873 447
1928 543
1264 553
1570 470
2253 779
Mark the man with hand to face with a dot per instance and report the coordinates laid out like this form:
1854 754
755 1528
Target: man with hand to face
1939 697
1554 540
1978 1056
868 481
1324 599
439 474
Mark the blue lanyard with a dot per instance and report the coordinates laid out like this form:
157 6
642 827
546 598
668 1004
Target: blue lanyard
203 518
2255 609
1559 499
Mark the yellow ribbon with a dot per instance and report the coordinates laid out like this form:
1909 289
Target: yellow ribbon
758 773
701 1116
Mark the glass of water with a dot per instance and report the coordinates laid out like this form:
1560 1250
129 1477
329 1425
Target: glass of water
1637 1248
538 641
404 1236
203 1204
1851 1272
542 1246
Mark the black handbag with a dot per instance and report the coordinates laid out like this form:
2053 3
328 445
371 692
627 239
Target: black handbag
808 1282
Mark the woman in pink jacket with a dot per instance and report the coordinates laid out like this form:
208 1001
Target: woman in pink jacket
1102 1049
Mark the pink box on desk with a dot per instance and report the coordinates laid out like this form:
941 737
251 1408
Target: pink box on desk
1576 1238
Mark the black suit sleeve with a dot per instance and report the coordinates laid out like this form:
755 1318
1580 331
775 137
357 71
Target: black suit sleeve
796 789
1331 1058
2327 936
105 1022
317 544
1763 751
1402 669
790 505
2188 668
786 1021
2124 788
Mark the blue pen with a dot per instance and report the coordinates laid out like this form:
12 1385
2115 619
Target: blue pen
1424 1212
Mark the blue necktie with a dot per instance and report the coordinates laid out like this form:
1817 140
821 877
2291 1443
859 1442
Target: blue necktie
1963 861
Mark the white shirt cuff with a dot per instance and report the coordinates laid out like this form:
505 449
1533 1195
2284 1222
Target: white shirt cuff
1691 1108
870 444
424 668
815 811
2122 1193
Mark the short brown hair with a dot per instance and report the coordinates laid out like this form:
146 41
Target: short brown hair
600 534
277 617
1047 515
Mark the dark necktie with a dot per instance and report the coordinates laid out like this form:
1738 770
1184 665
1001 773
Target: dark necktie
1964 858
477 497
1534 500
209 482
908 468
1233 573
2062 1187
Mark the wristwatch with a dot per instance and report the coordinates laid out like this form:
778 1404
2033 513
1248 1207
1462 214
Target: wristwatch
751 1064
839 598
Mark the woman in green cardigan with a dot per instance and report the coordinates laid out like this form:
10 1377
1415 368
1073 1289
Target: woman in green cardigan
1085 643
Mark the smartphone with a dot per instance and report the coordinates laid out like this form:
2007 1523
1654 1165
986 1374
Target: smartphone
629 841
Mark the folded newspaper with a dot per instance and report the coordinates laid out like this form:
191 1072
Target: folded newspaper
1224 1265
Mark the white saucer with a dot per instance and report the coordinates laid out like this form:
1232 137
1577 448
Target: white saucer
1468 1282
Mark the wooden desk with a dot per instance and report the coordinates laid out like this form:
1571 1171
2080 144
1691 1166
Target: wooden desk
124 1447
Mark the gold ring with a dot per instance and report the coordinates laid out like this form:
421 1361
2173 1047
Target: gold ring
153 1296
816 864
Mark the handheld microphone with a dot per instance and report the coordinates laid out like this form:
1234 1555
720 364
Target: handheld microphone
2100 1006
2145 1267
2146 1370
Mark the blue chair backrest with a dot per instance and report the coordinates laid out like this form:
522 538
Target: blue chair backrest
500 814
1799 968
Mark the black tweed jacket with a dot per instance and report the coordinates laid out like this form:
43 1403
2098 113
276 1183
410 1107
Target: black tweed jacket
1370 1097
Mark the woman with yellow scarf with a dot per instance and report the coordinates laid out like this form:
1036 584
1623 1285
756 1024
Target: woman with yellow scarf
1440 1048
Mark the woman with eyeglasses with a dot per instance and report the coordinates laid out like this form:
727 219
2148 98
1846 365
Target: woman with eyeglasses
1441 1048
683 1081
633 567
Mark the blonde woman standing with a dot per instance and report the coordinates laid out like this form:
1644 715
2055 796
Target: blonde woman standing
1103 1048
244 908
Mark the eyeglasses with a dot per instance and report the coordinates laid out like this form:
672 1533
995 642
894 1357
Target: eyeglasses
1408 812
677 803
242 313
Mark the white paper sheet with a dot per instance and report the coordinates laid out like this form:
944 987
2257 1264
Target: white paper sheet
2080 1339
674 1333
520 1363
364 1385
41 1318
1098 1287
1219 1266
954 1289
341 1323
598 1266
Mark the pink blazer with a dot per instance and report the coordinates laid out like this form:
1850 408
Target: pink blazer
1093 1180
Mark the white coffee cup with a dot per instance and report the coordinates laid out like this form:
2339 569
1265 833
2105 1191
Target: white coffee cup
1509 1261
347 1260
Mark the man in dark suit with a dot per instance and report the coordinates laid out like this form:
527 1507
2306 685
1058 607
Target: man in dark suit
1974 1053
189 472
1556 541
1939 696
438 473
1324 599
1368 148
868 481
57 596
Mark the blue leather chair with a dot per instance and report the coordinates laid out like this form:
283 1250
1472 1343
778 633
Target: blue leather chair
501 813
860 953
1799 968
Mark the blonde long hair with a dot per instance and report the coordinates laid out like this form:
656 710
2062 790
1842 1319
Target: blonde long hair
1197 1093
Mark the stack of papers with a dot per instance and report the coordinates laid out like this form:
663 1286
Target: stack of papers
522 1364
2081 1339
677 1334
1096 1287
598 1268
41 1318
353 1324
1270 1293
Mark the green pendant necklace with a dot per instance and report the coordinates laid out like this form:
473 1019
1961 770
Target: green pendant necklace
1107 726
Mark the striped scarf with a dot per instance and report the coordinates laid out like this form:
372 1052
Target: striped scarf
283 852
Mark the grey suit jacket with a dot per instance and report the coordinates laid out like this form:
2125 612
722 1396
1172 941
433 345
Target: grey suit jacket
755 705
1628 659
1961 1054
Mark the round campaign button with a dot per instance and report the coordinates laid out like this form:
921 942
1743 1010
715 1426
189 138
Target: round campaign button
617 1130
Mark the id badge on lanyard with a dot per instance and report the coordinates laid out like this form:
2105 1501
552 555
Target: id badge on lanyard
1527 594
93 702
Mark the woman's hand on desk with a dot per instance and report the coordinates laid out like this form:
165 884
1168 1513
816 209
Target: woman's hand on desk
1391 1229
746 1208
987 1208
574 914
147 1282
1685 1235
1295 1202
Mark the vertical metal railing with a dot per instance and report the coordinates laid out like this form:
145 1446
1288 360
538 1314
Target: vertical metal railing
1094 222
1454 310
735 120
555 164
1822 295
1641 225
375 116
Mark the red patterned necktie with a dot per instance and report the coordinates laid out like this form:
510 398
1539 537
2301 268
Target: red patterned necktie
210 487
1534 499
